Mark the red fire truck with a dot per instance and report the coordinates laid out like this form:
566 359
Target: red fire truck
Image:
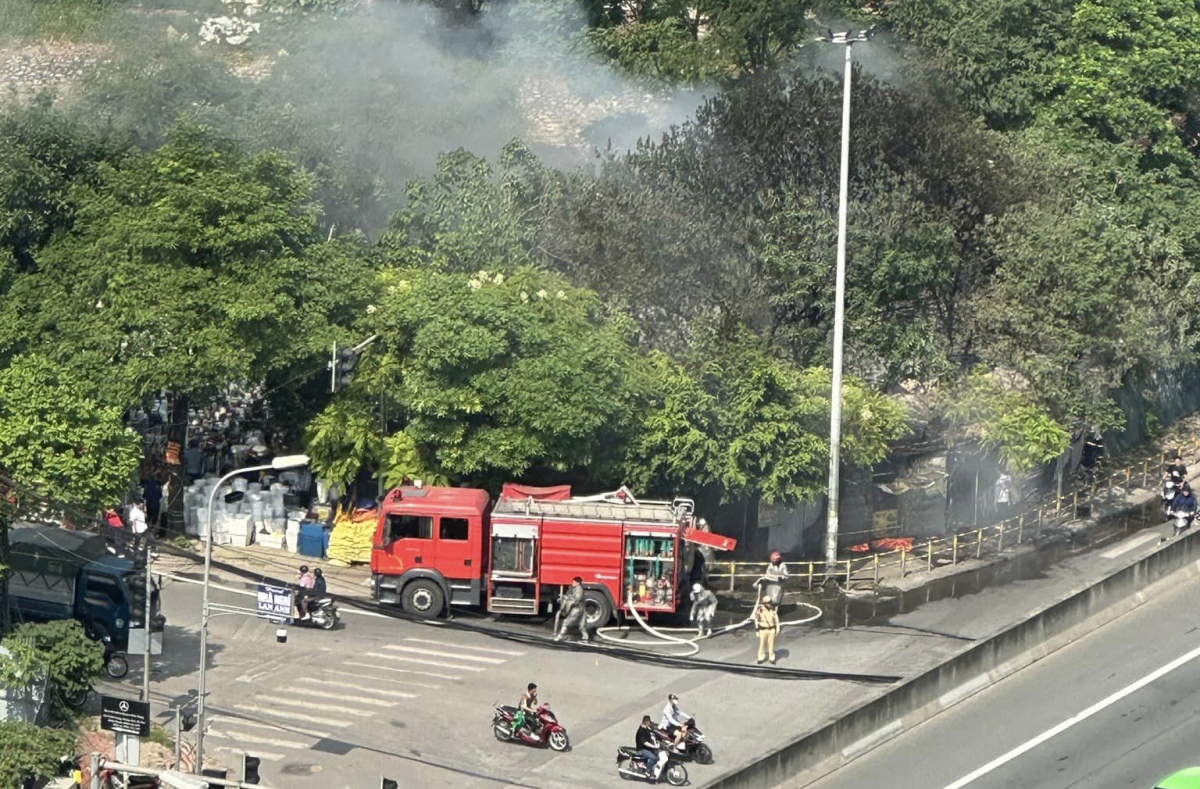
451 546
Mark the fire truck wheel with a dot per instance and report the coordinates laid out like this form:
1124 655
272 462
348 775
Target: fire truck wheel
596 610
423 598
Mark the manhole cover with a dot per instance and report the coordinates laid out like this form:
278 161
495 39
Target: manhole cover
300 769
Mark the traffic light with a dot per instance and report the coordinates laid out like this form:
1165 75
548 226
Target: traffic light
388 783
342 366
137 599
250 769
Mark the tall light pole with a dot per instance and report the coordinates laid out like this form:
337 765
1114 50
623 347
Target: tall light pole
847 39
278 464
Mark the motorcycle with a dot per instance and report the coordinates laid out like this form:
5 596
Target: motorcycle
694 746
1183 521
323 612
547 730
632 767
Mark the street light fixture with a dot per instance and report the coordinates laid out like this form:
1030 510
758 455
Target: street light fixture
278 464
847 39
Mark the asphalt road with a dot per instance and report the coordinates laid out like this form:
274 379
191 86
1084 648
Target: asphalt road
1118 709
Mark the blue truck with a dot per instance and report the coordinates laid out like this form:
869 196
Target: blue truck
59 574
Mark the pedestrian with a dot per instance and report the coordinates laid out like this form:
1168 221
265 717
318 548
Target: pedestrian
137 524
704 608
571 609
113 518
152 496
766 622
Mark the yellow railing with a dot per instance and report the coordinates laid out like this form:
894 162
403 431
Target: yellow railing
925 555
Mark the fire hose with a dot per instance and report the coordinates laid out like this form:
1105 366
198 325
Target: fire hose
691 644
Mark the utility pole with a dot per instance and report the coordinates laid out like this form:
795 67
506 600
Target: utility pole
847 39
146 646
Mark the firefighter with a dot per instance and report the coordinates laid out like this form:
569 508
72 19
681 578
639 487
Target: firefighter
772 580
704 608
571 608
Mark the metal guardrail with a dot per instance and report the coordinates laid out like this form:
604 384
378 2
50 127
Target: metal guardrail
871 568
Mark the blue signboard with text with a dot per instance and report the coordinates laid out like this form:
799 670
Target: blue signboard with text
276 603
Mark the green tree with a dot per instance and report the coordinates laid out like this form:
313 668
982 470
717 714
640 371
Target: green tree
58 442
1005 421
68 657
741 419
29 752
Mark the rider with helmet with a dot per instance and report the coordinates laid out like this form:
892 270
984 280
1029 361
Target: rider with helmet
304 589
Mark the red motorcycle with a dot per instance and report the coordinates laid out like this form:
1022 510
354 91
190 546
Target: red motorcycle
545 729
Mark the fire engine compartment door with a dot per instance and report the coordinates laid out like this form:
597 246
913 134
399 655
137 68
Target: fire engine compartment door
709 540
514 549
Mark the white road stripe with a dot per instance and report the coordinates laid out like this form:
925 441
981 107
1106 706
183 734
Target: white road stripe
312 705
1128 545
378 667
1099 706
423 662
264 755
233 720
324 694
398 694
504 652
238 736
289 715
435 653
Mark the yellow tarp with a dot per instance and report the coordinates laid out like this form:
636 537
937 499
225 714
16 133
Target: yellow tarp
352 537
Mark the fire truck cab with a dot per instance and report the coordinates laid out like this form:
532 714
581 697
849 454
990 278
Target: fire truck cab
438 547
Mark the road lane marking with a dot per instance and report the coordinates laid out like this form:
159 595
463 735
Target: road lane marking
424 662
1128 545
239 721
504 652
312 705
1099 706
238 736
289 715
324 694
491 661
264 755
382 680
378 667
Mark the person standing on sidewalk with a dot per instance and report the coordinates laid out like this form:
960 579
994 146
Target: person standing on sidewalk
766 622
137 524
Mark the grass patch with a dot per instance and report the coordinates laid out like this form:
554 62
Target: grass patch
160 736
25 21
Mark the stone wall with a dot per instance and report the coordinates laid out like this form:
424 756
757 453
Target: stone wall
56 68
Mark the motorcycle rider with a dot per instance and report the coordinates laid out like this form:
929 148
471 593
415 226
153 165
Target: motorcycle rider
673 718
527 710
704 608
648 746
1185 502
572 612
304 585
1176 471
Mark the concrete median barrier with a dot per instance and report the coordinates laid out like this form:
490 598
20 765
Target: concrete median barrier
980 665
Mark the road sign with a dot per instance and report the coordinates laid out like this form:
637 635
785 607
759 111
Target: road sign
275 603
125 716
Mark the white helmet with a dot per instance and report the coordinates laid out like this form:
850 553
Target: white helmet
697 588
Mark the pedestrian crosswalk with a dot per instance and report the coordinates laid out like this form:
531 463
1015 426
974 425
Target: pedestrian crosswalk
276 723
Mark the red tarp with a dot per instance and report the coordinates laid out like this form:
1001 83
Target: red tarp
513 491
883 544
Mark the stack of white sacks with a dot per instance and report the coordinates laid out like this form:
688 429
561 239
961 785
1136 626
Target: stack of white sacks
259 517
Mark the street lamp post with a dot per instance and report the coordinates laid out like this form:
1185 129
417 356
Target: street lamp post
847 39
278 464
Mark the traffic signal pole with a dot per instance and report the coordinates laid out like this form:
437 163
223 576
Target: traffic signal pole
146 623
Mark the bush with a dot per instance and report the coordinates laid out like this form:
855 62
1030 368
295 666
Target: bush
29 752
72 659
